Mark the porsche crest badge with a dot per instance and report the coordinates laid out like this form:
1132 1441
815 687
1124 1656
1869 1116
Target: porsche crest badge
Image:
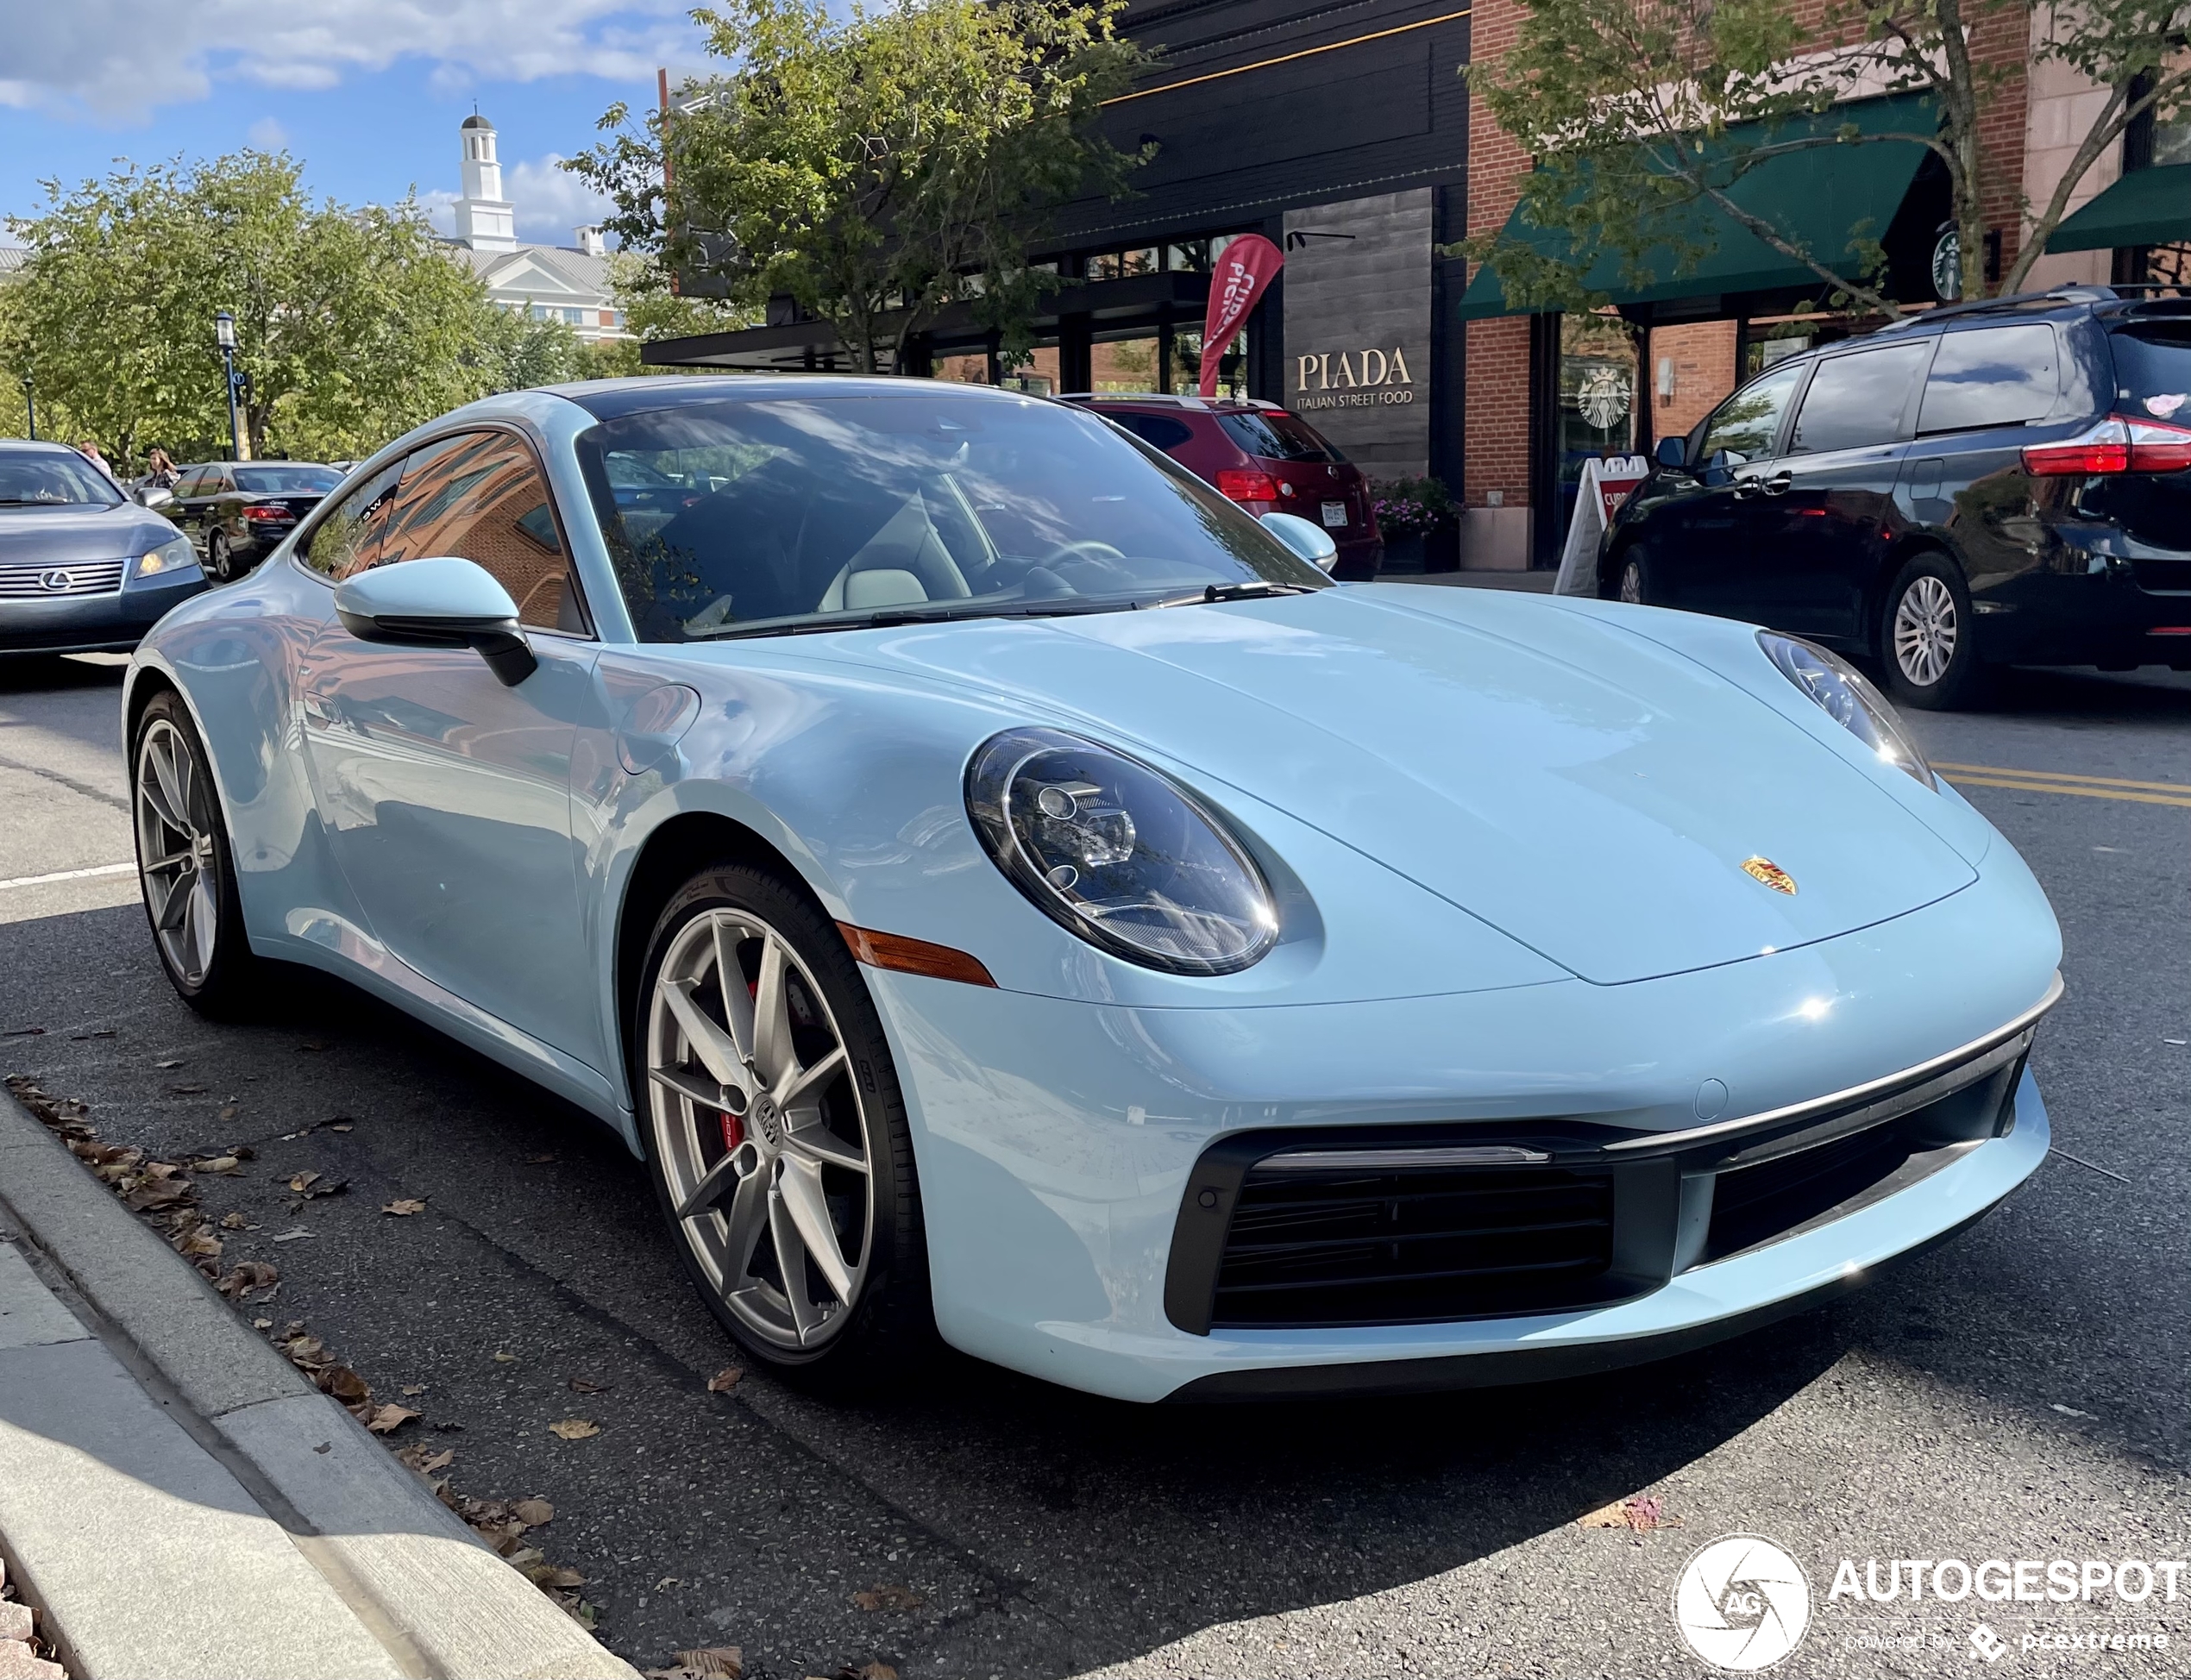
1764 870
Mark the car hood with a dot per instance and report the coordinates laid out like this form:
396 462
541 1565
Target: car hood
1588 791
62 536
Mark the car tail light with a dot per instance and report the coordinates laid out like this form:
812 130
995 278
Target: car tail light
266 513
2116 444
1247 483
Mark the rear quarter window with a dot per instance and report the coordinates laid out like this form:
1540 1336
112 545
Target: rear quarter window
1277 437
1160 430
1994 376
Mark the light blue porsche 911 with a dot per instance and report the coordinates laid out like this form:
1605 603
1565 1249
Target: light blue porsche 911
1001 889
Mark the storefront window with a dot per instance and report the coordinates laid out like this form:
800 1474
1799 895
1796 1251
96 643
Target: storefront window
1597 379
1126 364
1038 375
972 368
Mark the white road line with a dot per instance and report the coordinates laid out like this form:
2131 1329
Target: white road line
70 874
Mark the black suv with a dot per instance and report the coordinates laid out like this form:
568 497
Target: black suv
1991 483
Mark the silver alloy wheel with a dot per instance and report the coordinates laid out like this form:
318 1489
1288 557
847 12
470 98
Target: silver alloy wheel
1632 583
216 557
762 1138
1925 630
175 856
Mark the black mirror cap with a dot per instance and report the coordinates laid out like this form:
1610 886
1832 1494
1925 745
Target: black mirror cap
501 643
1672 452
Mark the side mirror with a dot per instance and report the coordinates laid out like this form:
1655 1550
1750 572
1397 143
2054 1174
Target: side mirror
1312 542
155 496
445 602
1672 452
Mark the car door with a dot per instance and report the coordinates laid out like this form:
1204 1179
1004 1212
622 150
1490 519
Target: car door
188 510
1824 511
445 795
1700 541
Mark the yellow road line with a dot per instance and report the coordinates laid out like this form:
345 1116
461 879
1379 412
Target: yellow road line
2064 776
2066 787
1287 58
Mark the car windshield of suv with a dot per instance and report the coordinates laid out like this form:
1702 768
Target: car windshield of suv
1276 437
2153 374
286 480
40 480
728 517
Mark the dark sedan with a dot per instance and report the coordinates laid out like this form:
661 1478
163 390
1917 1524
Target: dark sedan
83 568
237 513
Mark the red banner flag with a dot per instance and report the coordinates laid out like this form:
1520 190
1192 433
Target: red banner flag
1243 275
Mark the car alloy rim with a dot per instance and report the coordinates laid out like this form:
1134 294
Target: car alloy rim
1632 583
175 849
1924 630
760 1131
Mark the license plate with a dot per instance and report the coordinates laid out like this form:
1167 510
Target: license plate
1335 515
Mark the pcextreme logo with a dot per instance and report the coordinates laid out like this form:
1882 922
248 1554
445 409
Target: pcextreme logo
1741 1603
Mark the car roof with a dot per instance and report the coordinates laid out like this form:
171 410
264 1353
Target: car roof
42 445
1168 399
612 399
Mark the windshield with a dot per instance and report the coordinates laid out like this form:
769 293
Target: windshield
1277 437
727 516
43 479
286 480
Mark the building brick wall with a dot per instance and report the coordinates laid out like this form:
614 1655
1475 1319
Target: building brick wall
1703 356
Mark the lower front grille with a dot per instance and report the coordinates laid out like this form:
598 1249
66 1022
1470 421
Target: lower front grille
95 577
1755 1205
1412 1244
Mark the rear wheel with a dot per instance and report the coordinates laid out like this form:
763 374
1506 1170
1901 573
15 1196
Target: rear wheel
217 559
776 1133
1925 637
186 867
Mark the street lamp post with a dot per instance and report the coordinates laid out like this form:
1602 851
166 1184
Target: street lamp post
224 335
30 405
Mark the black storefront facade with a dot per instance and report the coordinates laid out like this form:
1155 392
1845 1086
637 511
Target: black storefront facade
1339 132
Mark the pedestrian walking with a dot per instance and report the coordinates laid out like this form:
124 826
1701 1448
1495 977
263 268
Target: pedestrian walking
160 468
89 451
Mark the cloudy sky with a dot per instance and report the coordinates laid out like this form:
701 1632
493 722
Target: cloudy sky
366 93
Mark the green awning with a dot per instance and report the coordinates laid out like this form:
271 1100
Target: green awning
2146 207
1822 198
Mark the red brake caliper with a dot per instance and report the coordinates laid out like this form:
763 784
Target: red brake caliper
733 1130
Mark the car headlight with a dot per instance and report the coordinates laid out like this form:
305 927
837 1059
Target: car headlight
1843 694
173 556
1120 854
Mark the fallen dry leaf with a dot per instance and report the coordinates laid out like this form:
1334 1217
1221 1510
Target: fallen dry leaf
868 1671
1641 1513
301 1182
340 1126
200 1245
232 1222
586 1385
220 1163
173 1062
558 1577
715 1662
533 1513
574 1429
245 1276
503 1357
390 1418
880 1597
405 1205
295 1233
262 1323
724 1380
414 1388
228 1111
347 1386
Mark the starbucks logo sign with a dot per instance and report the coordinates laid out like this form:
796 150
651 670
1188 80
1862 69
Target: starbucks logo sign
1602 397
1947 267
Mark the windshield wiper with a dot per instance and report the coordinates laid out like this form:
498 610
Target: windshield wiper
1240 591
884 617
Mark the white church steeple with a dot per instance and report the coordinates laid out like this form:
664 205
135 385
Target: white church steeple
485 219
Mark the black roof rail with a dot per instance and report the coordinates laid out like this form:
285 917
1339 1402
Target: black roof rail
2060 294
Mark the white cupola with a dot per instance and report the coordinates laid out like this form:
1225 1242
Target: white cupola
485 219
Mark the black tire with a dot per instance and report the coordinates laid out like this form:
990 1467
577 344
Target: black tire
221 977
888 1323
1927 645
218 562
1629 578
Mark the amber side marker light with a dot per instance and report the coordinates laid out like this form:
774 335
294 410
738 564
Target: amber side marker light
914 956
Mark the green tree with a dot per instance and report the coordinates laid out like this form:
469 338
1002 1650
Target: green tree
352 324
1627 106
517 352
876 166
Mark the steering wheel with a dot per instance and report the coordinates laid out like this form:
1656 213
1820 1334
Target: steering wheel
1100 554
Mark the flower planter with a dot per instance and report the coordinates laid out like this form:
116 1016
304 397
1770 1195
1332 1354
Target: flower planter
1441 549
1403 555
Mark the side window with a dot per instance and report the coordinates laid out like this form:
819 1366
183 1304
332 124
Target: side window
1748 421
481 497
348 540
188 485
1160 430
1995 376
1857 400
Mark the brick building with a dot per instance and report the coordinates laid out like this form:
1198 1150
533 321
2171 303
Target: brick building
1342 131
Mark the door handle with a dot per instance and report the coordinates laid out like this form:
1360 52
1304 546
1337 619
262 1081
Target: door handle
1779 485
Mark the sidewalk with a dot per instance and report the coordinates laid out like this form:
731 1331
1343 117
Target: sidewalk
177 1501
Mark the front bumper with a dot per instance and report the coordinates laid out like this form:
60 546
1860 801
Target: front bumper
1056 1140
113 623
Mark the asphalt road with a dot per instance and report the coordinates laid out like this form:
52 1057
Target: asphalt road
2019 1393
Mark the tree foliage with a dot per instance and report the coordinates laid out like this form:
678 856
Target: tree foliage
352 324
876 166
1627 107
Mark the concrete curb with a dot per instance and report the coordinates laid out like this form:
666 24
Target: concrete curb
438 1599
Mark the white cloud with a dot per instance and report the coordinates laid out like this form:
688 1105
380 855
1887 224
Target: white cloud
120 60
550 201
268 135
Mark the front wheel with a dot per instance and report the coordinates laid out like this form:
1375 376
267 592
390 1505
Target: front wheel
1930 653
1632 579
776 1133
185 867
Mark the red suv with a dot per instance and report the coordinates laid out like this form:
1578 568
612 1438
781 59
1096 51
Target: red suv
1265 458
